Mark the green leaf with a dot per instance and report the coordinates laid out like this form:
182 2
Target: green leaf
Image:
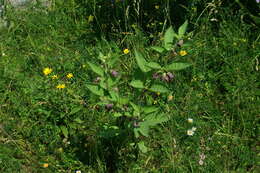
117 114
177 66
150 109
114 95
142 147
182 29
154 119
141 62
154 65
78 120
64 130
135 107
95 89
159 88
74 110
158 49
144 129
96 69
137 84
123 100
168 38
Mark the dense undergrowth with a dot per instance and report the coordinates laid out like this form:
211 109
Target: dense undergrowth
78 95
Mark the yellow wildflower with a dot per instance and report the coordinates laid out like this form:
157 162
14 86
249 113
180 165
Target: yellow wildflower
90 18
47 71
45 165
157 7
70 75
54 77
60 86
170 98
126 51
183 53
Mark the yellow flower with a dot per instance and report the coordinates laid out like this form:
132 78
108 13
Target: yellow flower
90 18
47 71
45 165
54 77
157 7
170 98
183 53
126 51
60 86
70 75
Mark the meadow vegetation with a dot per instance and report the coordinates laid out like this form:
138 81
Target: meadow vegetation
130 86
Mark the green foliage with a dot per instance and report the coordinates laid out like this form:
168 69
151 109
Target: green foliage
183 93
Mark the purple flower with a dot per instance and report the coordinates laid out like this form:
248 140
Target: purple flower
156 75
167 76
257 1
109 106
114 73
170 75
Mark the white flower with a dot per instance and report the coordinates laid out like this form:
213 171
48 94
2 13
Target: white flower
78 171
190 132
190 120
193 129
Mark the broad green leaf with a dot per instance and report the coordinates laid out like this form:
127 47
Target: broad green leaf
158 49
159 88
168 38
142 147
135 107
141 62
154 119
144 129
64 130
150 109
137 84
123 100
154 65
78 120
177 66
96 69
114 95
74 110
117 114
182 29
95 89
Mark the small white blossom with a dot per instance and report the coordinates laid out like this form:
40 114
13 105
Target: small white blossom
201 162
193 129
78 171
190 132
190 120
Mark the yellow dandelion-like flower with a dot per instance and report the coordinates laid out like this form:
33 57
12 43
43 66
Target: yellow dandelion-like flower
183 53
70 75
90 18
47 71
157 7
170 98
45 165
126 51
54 77
60 86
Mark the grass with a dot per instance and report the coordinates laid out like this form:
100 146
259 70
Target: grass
72 129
